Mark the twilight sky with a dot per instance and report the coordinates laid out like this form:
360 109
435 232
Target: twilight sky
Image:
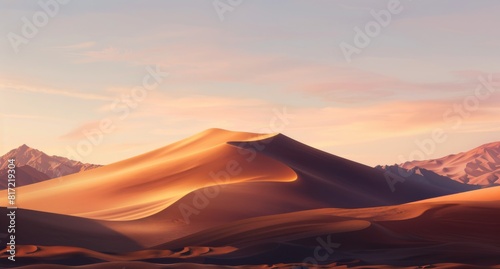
419 76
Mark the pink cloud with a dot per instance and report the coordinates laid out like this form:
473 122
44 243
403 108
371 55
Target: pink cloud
79 132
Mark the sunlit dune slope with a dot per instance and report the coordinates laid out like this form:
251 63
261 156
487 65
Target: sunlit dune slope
484 195
146 184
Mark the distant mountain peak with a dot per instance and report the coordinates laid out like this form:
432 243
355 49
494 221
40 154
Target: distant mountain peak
22 148
52 166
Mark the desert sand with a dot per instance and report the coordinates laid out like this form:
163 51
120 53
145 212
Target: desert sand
459 228
275 203
147 184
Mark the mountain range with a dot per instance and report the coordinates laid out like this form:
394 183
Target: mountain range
479 166
35 166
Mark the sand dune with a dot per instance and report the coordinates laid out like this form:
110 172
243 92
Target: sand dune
168 177
144 265
323 181
425 232
276 175
258 200
146 184
48 229
73 255
449 232
485 195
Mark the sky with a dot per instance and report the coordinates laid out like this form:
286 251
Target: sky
378 82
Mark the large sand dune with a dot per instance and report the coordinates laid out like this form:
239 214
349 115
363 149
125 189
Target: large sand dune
232 199
281 175
146 184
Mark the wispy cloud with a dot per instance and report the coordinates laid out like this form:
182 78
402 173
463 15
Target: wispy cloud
21 87
28 117
79 132
356 86
78 46
108 54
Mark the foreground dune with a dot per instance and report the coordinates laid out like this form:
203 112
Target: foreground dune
458 229
144 265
